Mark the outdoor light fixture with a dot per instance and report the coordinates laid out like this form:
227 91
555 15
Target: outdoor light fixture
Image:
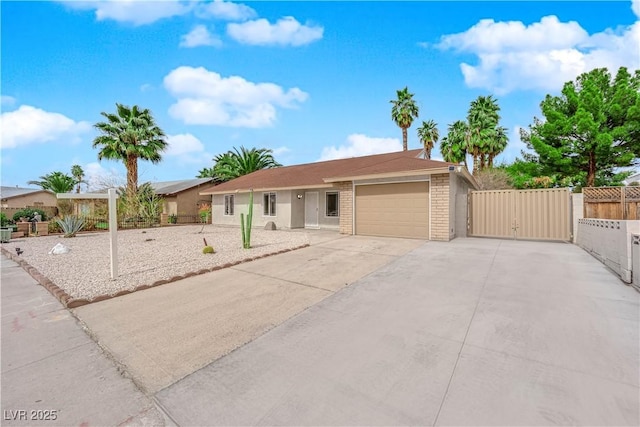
299 196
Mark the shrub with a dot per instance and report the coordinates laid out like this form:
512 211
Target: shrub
208 250
3 219
29 213
70 225
54 227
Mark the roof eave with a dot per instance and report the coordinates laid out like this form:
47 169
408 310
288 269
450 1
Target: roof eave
400 174
258 190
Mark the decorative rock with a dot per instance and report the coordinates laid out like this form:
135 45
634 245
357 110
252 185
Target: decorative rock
270 226
59 249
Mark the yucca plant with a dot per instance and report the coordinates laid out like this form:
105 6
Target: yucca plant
70 225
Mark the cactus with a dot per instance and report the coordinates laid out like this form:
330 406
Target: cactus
245 229
208 250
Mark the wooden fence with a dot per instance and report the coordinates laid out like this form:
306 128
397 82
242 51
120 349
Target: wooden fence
622 203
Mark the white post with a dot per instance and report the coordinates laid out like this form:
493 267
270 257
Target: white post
113 232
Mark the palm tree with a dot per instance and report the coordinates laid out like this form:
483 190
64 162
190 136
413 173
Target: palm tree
497 145
429 135
403 112
129 135
233 164
78 174
206 173
482 119
57 182
454 146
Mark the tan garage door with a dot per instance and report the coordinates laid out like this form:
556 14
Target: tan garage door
397 210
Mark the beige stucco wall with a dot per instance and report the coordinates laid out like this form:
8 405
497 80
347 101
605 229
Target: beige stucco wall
41 198
458 198
283 209
189 201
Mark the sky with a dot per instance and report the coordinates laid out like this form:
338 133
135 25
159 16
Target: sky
310 80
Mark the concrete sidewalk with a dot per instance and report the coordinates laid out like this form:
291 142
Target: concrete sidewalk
470 332
52 372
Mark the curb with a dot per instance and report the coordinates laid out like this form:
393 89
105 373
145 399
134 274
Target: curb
69 302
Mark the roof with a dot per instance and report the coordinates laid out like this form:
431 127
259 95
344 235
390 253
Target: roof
172 187
632 178
10 192
320 174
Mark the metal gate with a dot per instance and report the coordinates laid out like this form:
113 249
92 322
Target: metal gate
521 214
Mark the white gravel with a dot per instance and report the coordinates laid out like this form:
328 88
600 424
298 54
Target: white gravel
144 256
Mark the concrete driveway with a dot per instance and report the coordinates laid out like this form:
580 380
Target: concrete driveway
163 334
471 332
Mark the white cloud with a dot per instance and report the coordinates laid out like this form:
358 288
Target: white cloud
635 7
29 125
287 31
199 36
226 10
182 144
281 151
7 100
146 87
135 12
187 149
358 144
207 98
543 55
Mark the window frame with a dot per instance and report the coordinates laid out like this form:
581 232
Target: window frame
229 201
269 206
326 204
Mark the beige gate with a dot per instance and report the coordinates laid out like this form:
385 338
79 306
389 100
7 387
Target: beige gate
521 214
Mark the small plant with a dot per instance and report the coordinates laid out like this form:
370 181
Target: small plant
208 250
173 219
3 219
71 225
246 228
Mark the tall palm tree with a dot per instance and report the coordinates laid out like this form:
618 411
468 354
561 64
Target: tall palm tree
454 146
403 111
129 135
206 173
78 174
429 135
233 164
482 119
498 143
57 182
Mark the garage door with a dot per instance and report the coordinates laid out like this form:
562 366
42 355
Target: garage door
397 210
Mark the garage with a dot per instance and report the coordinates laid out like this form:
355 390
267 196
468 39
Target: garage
394 210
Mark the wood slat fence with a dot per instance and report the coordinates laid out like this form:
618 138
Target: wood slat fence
621 203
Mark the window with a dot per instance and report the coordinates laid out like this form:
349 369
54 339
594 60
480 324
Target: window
332 204
269 204
228 204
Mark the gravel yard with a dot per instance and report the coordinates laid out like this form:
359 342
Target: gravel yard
144 256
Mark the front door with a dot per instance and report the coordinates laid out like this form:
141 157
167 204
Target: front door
311 209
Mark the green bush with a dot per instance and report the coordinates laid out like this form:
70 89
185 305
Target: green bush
3 219
208 250
29 213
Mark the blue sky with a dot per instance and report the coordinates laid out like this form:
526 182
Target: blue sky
310 80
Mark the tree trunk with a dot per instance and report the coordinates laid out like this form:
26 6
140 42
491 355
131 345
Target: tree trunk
404 139
591 172
132 176
482 162
490 161
428 151
476 164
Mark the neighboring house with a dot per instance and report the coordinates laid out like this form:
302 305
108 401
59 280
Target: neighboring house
398 194
16 197
632 178
182 197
